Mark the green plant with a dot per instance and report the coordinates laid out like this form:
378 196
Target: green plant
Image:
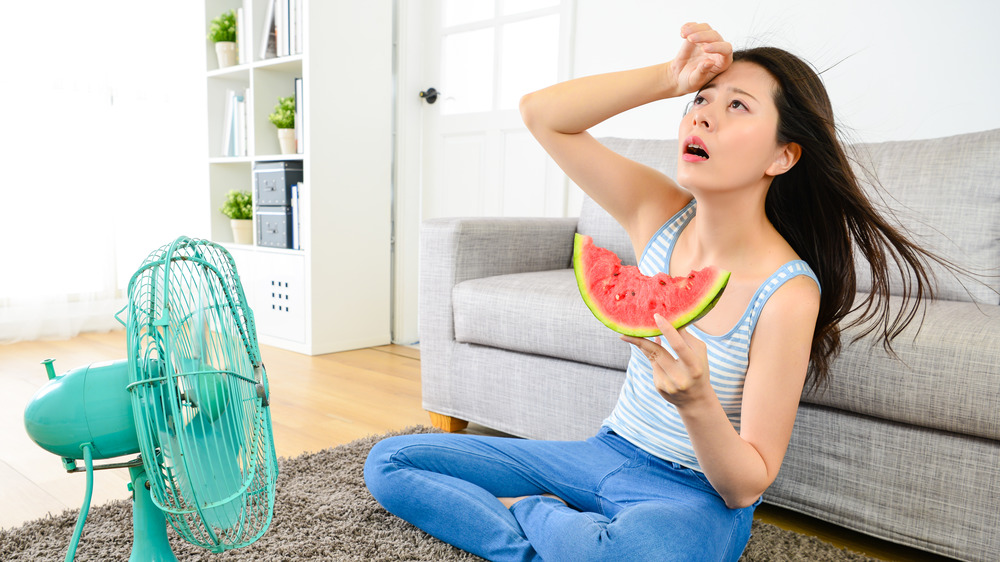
238 205
223 28
284 113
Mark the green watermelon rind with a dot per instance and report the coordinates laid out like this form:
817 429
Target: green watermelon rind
701 308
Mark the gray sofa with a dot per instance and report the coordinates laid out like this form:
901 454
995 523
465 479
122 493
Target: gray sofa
905 449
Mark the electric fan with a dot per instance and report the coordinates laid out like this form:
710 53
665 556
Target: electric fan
191 399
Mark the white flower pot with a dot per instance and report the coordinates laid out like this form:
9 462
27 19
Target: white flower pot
242 230
286 140
227 52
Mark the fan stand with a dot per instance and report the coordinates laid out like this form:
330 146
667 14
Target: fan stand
149 526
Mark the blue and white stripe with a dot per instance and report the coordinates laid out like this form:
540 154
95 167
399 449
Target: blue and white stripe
644 417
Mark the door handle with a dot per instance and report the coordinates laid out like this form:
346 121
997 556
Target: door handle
430 95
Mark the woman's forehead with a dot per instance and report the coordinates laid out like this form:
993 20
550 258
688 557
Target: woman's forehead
745 77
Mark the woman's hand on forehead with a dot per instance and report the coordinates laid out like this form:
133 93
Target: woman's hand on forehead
703 55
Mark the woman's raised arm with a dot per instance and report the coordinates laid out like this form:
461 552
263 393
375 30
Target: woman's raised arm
640 198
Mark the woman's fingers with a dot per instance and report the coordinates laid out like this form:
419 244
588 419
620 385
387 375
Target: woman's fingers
653 351
677 342
717 52
707 37
669 374
703 34
693 27
678 369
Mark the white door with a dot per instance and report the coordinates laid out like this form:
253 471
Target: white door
468 153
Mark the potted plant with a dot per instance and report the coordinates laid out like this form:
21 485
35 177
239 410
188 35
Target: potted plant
239 208
222 32
284 119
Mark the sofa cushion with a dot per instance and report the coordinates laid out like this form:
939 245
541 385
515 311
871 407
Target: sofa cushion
946 191
947 375
530 313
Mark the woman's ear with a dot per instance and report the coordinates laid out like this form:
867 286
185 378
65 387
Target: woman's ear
786 157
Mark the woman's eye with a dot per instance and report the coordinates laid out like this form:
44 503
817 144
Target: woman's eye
698 100
737 104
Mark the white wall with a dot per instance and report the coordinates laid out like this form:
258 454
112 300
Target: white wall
907 69
104 150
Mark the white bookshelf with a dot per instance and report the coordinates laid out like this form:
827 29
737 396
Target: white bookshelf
334 293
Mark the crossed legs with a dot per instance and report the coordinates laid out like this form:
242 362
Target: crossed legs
599 499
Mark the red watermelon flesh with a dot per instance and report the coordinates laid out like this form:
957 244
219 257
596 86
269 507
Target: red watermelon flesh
625 300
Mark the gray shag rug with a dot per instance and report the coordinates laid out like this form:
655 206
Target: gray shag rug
323 511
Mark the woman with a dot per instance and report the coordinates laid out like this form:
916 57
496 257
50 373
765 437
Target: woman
700 428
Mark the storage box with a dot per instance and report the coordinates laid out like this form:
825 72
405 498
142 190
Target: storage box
273 181
275 228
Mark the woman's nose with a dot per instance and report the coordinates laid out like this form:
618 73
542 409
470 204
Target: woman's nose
700 117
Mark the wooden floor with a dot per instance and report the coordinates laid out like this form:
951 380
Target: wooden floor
316 402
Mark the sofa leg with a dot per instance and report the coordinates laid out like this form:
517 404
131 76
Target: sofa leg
447 423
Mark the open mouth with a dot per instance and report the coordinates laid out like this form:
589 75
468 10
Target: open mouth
696 150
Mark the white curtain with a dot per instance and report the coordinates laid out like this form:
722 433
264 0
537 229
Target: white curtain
103 155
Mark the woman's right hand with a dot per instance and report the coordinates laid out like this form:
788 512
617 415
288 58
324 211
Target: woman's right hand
703 56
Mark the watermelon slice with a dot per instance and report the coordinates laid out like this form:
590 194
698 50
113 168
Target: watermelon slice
625 300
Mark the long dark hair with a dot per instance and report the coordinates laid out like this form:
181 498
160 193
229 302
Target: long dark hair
820 208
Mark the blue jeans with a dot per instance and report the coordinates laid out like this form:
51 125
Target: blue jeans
624 504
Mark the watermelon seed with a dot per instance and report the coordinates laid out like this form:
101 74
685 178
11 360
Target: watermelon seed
662 282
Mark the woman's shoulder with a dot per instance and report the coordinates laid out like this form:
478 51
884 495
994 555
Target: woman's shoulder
786 279
776 253
793 287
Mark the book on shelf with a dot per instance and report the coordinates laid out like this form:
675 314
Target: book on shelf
299 122
296 227
241 125
281 32
227 128
299 35
268 41
243 32
281 27
234 123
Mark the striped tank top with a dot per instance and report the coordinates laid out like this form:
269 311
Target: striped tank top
645 418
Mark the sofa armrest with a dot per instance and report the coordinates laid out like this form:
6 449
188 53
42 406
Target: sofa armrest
453 250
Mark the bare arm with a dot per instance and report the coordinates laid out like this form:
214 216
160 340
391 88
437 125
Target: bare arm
638 197
742 465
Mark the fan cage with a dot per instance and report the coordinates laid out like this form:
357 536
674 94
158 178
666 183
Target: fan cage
198 391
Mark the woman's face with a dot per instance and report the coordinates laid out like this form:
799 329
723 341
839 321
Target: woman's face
728 139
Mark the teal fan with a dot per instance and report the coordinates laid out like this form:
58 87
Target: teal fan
191 399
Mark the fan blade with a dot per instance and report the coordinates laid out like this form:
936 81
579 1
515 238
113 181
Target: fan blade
213 471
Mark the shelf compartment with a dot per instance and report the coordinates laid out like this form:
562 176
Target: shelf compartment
218 91
269 83
224 177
